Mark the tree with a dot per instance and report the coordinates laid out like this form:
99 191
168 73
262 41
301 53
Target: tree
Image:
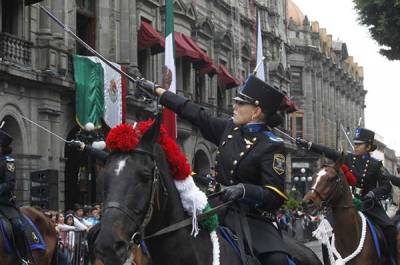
382 17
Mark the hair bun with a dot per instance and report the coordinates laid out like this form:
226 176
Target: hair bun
274 120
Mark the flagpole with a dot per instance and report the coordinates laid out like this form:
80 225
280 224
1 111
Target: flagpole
90 49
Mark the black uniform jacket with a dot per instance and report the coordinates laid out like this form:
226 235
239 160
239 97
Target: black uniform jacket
96 153
7 179
244 156
370 177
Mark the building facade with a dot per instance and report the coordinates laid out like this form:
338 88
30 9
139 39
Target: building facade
215 52
36 75
327 85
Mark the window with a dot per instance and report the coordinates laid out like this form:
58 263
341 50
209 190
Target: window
220 99
186 76
296 85
86 25
11 16
144 62
297 124
200 87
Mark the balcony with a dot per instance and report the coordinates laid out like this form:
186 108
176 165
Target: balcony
15 50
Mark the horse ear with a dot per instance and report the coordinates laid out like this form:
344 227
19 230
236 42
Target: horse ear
151 135
339 162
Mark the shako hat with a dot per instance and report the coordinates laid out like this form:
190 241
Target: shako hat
363 135
258 93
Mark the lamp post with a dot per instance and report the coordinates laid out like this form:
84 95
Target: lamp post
302 180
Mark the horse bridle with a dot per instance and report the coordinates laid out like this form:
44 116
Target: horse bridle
326 202
138 236
129 213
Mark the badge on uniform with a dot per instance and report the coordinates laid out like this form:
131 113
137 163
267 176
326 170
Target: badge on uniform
279 164
11 167
35 238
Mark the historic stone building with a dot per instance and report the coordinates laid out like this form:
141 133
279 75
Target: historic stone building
327 85
215 49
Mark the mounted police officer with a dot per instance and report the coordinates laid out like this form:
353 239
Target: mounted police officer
250 161
372 184
8 208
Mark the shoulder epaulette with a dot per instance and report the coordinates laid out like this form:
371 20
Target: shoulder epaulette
271 136
9 159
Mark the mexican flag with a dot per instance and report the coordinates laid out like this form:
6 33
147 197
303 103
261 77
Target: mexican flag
89 91
114 94
169 117
100 92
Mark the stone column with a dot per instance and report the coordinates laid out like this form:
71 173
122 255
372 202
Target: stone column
132 35
44 140
45 24
125 44
103 27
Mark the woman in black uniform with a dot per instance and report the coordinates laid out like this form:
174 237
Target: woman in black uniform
250 160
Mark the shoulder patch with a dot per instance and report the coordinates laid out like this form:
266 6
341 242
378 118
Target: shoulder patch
279 164
10 166
271 136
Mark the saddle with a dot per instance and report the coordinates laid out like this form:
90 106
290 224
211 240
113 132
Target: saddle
236 243
32 236
380 242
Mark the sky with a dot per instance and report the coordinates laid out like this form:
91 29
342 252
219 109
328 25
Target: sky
381 76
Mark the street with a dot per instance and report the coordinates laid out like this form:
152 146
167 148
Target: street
316 247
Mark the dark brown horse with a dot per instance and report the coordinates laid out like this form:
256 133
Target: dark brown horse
46 229
330 189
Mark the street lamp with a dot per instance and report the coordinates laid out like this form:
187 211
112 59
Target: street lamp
301 180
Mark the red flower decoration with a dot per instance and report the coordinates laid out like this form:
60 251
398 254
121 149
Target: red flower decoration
351 179
122 138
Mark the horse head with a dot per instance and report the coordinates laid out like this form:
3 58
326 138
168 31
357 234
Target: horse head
329 188
131 181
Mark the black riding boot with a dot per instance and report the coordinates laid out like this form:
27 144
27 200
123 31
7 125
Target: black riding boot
20 241
390 235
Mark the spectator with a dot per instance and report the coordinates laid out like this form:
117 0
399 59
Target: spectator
93 217
78 218
63 230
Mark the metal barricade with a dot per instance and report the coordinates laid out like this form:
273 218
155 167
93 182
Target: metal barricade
75 250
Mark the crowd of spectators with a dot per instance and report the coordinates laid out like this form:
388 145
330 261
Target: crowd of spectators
72 227
297 224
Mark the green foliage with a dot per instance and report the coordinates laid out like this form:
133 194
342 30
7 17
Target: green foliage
382 17
293 202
